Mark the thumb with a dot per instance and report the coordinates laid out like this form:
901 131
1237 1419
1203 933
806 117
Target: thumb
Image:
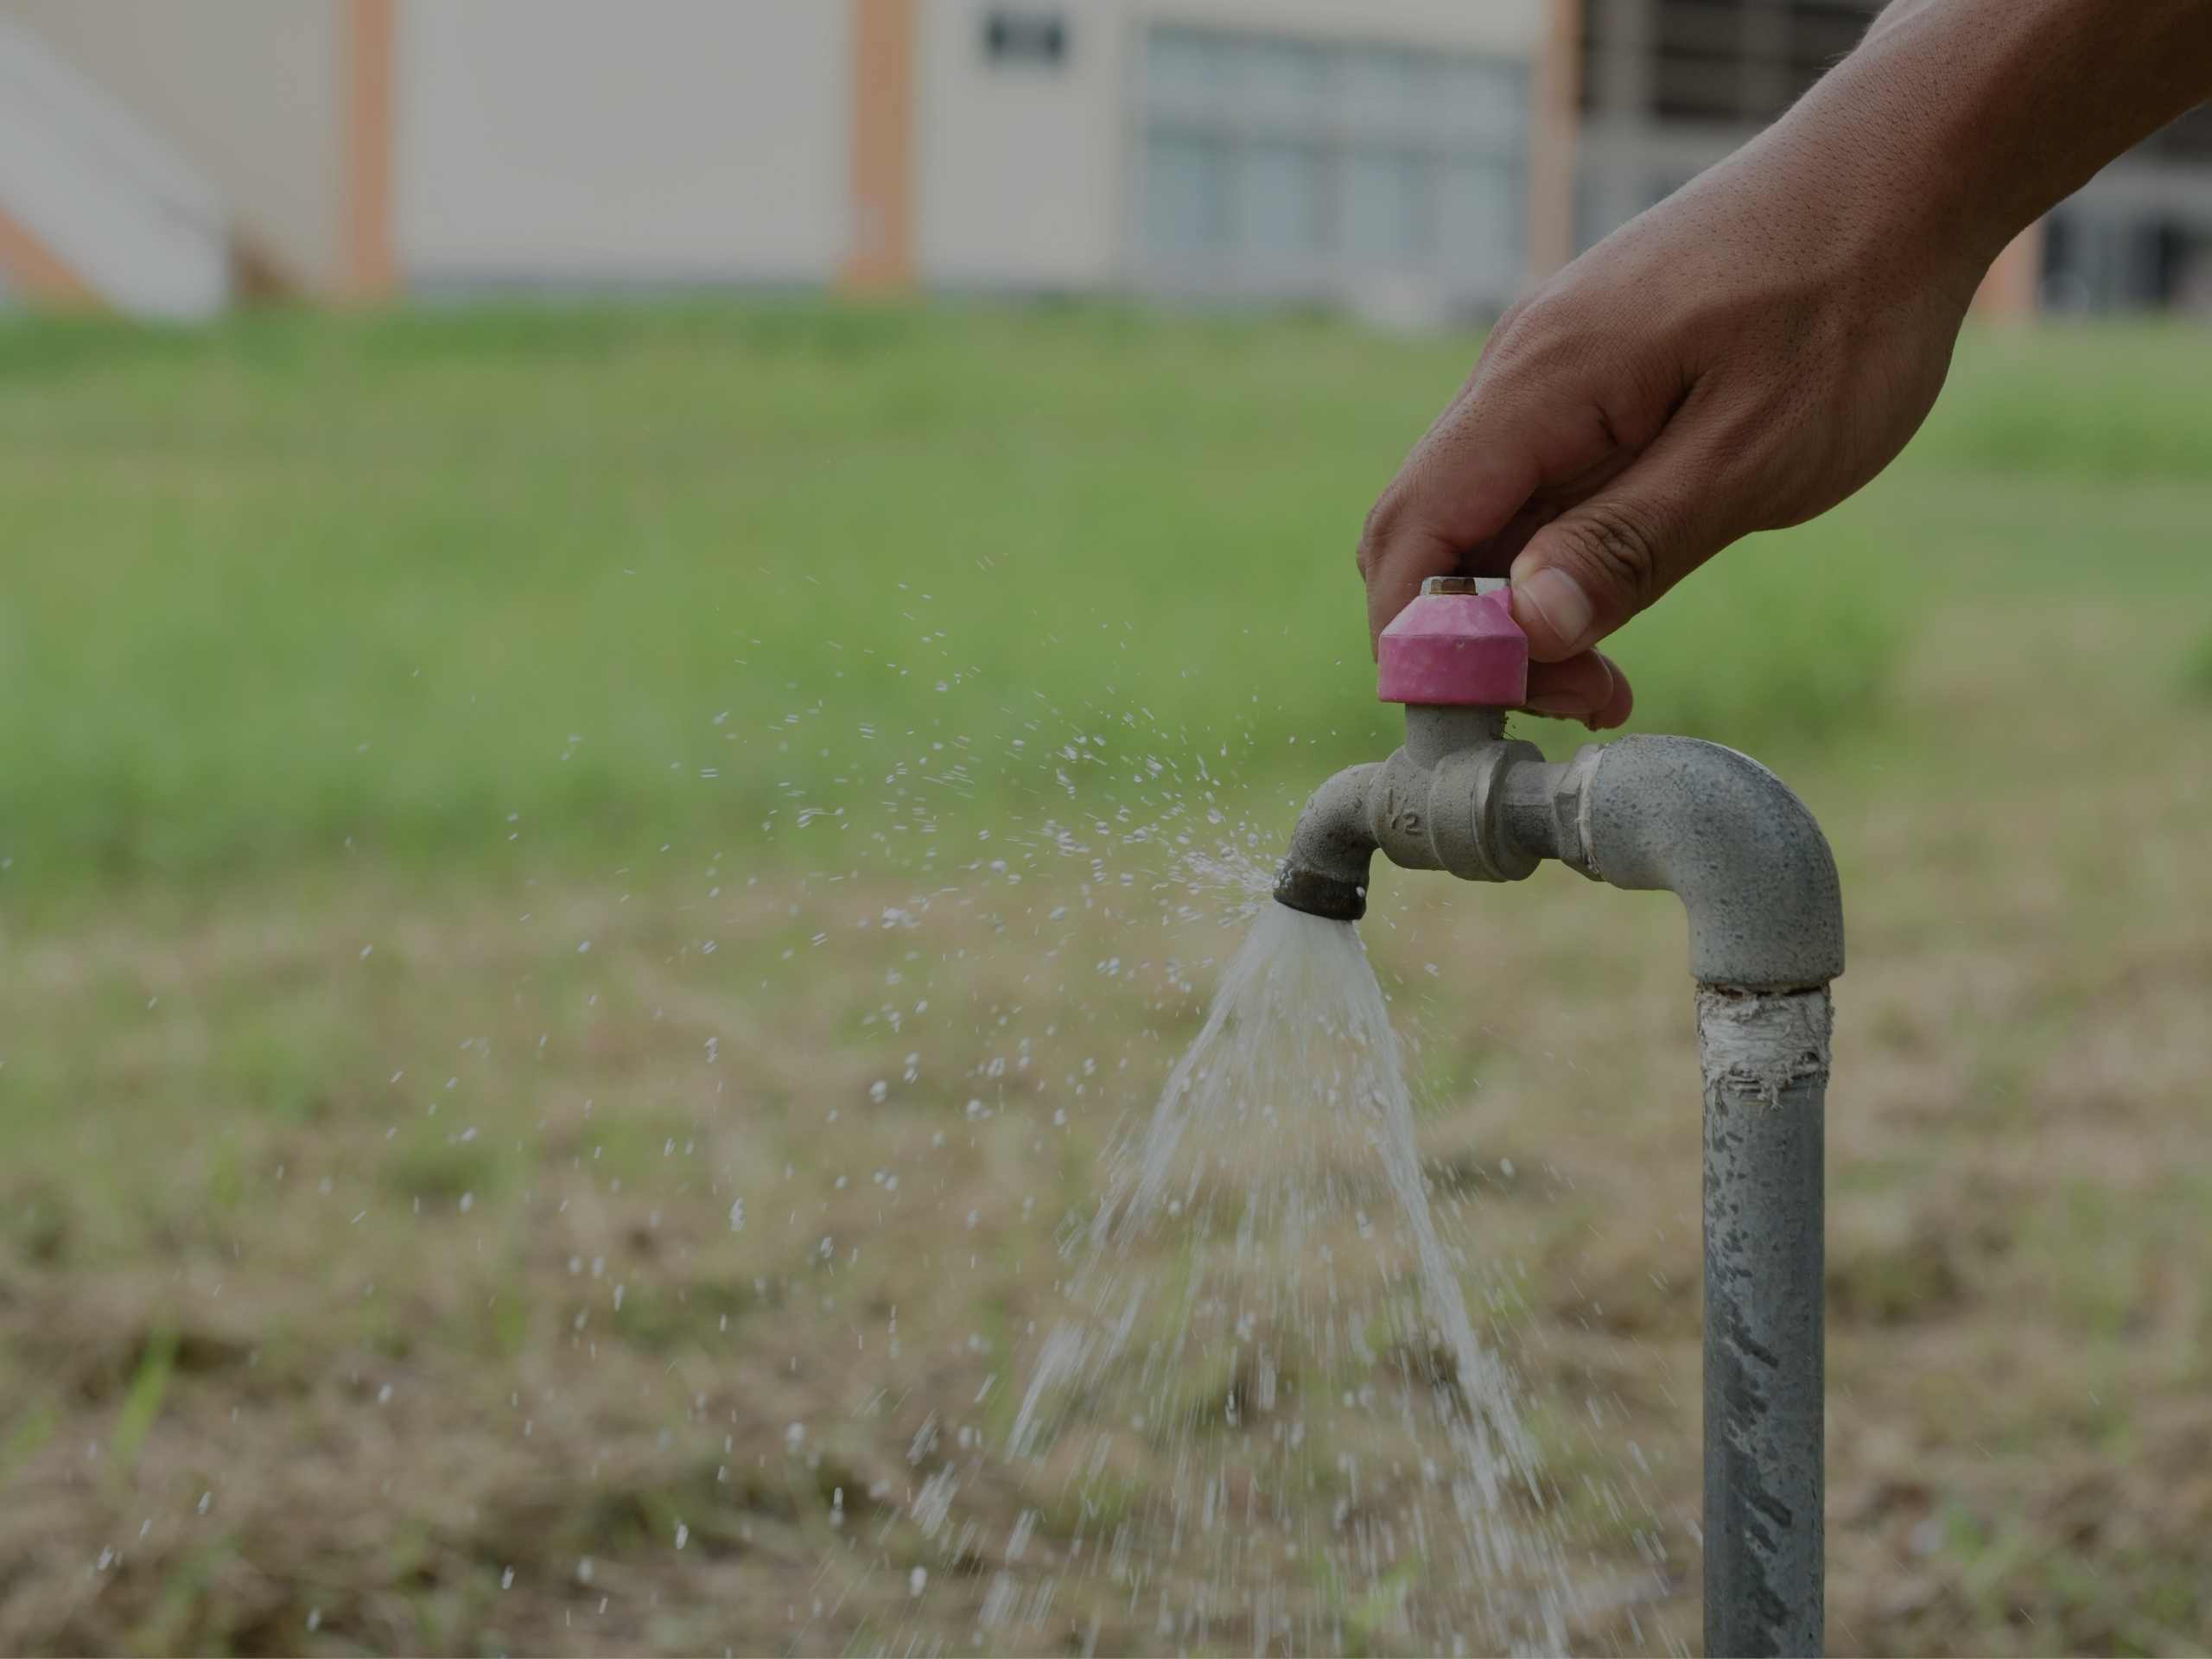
1607 557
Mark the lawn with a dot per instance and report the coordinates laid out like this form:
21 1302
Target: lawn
580 889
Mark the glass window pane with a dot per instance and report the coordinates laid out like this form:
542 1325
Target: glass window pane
1388 216
1278 199
1481 233
1388 86
1488 88
1185 194
1281 75
1183 63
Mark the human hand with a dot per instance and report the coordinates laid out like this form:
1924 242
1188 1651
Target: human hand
1740 357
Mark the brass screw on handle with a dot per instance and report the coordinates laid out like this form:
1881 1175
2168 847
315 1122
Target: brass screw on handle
1464 584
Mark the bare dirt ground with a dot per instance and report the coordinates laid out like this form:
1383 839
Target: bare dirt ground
575 1269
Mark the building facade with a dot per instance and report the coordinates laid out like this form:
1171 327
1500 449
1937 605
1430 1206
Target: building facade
1392 155
1410 159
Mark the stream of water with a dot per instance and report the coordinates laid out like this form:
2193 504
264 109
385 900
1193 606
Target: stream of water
1267 1401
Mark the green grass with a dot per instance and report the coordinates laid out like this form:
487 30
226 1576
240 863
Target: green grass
2197 675
355 672
2096 401
476 587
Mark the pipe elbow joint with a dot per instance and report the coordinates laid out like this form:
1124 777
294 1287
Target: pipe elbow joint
1730 839
1326 872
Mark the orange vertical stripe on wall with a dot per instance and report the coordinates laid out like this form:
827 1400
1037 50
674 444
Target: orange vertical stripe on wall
1554 113
2012 285
368 269
881 255
36 271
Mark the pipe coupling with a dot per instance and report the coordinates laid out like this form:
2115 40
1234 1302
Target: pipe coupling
1451 816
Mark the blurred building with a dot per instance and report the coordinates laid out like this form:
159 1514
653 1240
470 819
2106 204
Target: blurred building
1667 87
1414 159
1385 153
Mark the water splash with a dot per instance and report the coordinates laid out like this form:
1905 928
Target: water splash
1266 1404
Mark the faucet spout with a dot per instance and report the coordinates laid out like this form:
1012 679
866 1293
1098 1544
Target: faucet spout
1324 872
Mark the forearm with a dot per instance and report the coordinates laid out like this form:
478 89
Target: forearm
1973 118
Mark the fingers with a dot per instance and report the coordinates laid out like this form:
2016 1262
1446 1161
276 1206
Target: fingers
1393 576
1603 560
1429 518
1534 429
1588 688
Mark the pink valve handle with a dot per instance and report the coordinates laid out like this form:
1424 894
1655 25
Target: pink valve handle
1455 643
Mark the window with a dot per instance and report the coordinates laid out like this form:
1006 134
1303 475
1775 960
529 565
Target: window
1013 38
1187 203
1727 61
1301 169
1280 202
1388 218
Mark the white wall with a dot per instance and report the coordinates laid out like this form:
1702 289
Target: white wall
108 197
653 141
1019 166
251 93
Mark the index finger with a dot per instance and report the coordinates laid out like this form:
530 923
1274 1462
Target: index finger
1442 505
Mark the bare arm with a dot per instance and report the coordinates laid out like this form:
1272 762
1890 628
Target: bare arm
1761 344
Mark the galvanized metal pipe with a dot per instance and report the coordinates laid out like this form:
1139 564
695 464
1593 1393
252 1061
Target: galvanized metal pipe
1758 886
1765 1060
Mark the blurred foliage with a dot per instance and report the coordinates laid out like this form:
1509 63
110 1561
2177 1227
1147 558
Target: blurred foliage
478 584
2117 403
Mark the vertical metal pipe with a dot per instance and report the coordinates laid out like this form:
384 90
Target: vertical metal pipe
1765 1058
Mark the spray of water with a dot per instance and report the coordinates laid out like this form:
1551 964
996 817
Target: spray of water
1267 1402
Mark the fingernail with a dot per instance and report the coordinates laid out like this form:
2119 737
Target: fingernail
1558 601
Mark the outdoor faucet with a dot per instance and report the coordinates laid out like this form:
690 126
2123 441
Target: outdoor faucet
1759 883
